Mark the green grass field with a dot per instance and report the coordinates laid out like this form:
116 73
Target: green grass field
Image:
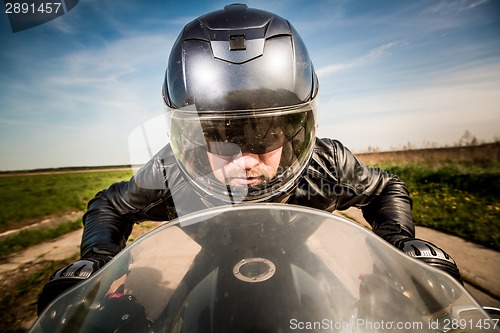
457 199
30 197
454 189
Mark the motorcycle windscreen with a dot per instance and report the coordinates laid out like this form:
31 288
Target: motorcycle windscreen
262 268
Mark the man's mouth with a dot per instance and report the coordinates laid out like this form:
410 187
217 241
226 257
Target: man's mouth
246 180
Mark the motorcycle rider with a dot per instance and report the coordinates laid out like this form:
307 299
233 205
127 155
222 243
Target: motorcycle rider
241 92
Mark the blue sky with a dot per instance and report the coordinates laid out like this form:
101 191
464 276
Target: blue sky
73 90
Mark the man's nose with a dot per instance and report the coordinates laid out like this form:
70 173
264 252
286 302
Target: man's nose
247 161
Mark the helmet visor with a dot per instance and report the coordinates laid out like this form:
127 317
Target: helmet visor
244 154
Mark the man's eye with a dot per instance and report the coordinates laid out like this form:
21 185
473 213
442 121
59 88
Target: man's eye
224 148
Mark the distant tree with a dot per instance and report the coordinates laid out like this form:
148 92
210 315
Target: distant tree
467 139
409 146
430 144
371 149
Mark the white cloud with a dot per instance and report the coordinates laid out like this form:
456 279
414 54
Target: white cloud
445 7
118 81
112 62
368 58
81 111
441 112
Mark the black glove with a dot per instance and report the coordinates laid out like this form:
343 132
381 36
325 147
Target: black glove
92 260
69 276
430 254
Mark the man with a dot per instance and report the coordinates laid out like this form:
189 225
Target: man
240 91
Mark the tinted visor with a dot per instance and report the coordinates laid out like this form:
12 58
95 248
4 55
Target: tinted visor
195 135
256 135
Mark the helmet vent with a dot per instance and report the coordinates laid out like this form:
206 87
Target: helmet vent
237 43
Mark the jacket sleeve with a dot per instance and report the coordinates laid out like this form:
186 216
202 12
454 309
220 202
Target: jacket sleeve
112 213
383 197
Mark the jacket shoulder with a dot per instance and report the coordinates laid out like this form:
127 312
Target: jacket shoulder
329 151
155 173
328 145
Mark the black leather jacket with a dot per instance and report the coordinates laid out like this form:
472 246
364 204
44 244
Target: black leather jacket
333 180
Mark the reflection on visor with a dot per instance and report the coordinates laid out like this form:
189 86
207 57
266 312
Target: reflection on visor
257 135
224 148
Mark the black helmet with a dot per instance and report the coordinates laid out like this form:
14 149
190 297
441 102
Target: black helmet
240 80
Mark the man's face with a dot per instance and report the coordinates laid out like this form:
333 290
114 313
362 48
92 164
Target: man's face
245 169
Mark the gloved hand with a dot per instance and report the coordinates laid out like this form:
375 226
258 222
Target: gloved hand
430 254
69 276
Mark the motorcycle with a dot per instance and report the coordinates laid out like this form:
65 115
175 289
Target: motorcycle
265 268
